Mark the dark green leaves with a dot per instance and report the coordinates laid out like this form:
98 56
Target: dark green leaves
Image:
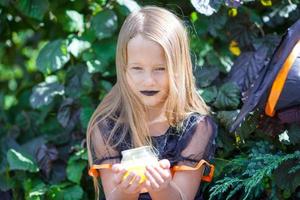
53 56
19 161
205 76
209 94
68 114
85 115
33 8
205 7
74 21
43 93
76 164
228 96
73 193
104 24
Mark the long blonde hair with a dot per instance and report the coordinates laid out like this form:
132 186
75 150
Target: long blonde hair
165 28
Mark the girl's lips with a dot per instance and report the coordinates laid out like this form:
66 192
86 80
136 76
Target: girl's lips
149 93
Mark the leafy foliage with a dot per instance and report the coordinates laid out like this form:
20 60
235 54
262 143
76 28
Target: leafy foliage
57 63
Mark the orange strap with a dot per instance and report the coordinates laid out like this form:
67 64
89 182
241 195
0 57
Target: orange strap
280 80
207 178
94 170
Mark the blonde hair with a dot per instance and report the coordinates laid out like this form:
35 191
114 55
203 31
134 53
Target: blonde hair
165 28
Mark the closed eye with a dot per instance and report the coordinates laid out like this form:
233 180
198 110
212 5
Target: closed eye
136 68
160 69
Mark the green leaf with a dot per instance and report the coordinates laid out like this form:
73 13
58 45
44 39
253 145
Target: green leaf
85 116
205 76
227 117
102 55
43 93
73 193
74 170
131 5
104 24
285 180
293 133
37 191
6 182
18 161
33 8
79 81
209 94
68 114
4 2
204 7
53 56
77 46
74 21
228 96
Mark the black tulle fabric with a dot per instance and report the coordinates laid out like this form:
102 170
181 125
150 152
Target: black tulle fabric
199 145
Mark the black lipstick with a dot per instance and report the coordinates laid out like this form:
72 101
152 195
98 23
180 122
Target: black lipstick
149 92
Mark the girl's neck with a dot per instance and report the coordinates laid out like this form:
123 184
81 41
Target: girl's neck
156 115
157 121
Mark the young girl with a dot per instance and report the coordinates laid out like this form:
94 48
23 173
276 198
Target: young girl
154 102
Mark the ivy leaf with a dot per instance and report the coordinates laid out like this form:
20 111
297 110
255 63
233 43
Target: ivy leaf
43 93
53 56
19 161
131 5
85 116
45 157
103 54
242 32
228 96
287 180
216 23
74 21
33 8
68 114
73 193
104 24
79 81
204 7
77 46
205 76
209 94
227 117
74 170
4 3
293 133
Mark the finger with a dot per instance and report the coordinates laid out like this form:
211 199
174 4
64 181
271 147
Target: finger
153 183
135 185
126 182
119 176
147 185
164 173
165 163
155 174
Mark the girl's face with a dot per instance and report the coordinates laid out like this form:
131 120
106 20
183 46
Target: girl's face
146 71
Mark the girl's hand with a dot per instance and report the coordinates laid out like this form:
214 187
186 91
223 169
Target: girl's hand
158 176
130 184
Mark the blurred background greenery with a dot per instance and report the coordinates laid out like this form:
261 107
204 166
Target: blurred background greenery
57 63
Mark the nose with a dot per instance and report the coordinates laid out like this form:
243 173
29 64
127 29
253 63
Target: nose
149 79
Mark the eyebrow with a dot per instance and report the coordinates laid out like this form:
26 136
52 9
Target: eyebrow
141 64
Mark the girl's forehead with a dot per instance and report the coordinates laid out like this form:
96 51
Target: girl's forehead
143 50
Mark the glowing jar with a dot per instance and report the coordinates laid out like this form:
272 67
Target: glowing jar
135 160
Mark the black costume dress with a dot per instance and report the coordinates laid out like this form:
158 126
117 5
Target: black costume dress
193 141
